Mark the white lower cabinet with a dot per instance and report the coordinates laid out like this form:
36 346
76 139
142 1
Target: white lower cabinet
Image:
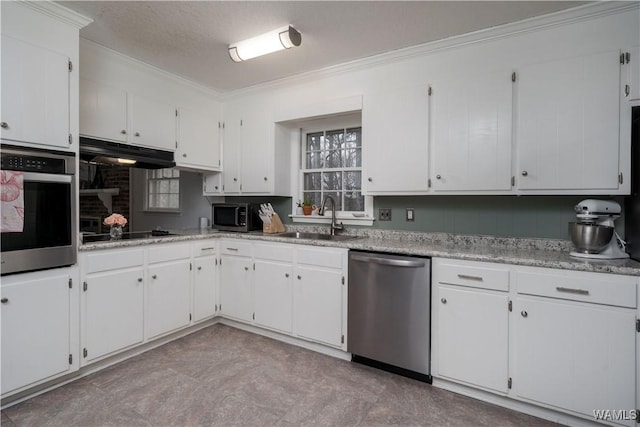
236 278
168 289
273 292
563 340
38 327
205 279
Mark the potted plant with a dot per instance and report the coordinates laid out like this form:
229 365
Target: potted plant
306 206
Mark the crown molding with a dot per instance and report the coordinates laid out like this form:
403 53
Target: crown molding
150 68
58 12
564 17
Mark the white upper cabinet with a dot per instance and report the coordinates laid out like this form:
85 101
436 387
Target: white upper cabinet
151 123
198 140
103 111
115 115
471 133
35 94
256 151
568 124
395 125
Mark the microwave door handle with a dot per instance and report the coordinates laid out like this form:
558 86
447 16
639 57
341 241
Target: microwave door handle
47 177
237 216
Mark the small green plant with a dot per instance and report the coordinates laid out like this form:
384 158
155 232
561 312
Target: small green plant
307 202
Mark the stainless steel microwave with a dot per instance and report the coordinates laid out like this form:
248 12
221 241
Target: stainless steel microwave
241 217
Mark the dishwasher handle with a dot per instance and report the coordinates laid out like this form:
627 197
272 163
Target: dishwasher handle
389 261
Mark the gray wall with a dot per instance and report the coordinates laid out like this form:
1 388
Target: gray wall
518 216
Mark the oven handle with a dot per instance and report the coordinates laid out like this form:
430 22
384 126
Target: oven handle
47 177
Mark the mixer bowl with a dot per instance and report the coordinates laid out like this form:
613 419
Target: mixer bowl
590 238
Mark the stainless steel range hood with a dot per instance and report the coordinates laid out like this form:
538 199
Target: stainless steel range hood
99 151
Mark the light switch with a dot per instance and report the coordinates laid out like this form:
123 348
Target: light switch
410 214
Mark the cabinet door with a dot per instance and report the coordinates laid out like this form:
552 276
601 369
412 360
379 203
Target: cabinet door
212 184
112 312
473 337
273 295
35 94
103 111
568 124
198 140
236 276
256 151
575 356
168 297
471 133
318 303
231 154
151 123
35 330
204 288
395 127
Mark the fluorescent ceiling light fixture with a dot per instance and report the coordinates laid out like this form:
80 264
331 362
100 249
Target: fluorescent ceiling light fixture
282 38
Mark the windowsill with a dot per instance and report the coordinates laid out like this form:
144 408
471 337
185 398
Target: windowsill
345 219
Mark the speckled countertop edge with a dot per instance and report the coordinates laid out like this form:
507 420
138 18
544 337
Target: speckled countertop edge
546 253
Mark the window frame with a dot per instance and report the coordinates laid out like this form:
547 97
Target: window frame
147 182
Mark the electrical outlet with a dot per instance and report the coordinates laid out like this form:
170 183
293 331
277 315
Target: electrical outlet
384 214
411 215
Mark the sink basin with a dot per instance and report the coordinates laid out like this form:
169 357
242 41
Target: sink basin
315 236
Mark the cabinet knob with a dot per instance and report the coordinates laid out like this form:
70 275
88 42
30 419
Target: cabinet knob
139 279
137 134
524 313
265 178
124 132
154 277
438 176
184 154
246 269
299 277
4 300
4 125
370 179
525 173
443 300
286 275
199 267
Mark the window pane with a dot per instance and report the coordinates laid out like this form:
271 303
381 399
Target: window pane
314 160
174 201
163 186
152 200
352 181
337 196
353 138
332 180
312 181
174 186
335 139
352 158
353 201
162 200
334 159
314 196
315 141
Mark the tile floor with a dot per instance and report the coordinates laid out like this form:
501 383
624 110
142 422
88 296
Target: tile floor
221 376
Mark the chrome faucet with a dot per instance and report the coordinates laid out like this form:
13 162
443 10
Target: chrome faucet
334 226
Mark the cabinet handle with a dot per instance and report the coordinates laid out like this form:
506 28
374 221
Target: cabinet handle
438 176
524 313
235 179
4 300
572 291
199 267
525 173
154 277
286 275
124 132
370 179
443 300
137 134
627 90
265 179
4 125
207 249
299 277
246 269
139 279
467 277
233 249
184 154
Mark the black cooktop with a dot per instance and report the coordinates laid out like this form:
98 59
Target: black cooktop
91 238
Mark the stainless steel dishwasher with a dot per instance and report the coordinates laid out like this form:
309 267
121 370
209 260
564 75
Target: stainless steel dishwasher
389 312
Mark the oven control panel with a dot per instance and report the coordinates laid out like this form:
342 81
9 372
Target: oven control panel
26 163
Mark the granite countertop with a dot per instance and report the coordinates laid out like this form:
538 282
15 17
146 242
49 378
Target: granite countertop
528 252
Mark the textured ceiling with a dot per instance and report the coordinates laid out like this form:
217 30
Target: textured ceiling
191 38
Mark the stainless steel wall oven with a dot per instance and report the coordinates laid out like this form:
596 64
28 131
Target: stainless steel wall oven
47 237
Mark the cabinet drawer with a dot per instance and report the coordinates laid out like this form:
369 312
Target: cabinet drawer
273 252
205 247
236 247
595 288
169 252
475 277
332 258
121 258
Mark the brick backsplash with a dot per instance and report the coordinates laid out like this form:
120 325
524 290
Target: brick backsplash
113 177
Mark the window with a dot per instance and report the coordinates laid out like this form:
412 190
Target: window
163 189
332 165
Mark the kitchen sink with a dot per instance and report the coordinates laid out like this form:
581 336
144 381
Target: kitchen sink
315 236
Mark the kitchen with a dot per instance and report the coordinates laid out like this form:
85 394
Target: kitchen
255 160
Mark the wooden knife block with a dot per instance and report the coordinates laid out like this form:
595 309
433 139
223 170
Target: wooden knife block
276 225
